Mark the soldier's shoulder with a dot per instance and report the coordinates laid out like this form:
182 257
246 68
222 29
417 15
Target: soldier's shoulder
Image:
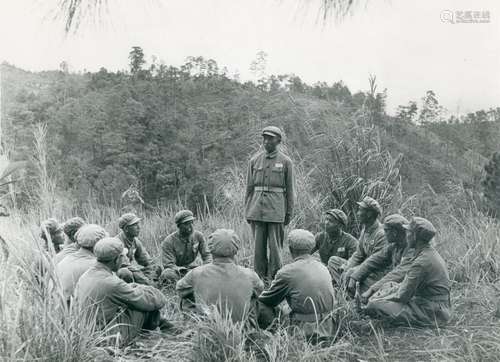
256 155
284 157
170 238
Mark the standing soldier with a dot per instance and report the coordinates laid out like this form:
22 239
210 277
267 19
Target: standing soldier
334 245
269 201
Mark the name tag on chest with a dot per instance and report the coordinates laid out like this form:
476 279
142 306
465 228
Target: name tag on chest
341 249
278 166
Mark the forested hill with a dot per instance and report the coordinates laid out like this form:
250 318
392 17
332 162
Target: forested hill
175 132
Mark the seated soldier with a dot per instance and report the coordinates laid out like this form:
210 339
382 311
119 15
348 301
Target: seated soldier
121 307
52 237
371 240
307 287
181 248
138 266
70 228
71 268
423 298
334 245
387 259
231 288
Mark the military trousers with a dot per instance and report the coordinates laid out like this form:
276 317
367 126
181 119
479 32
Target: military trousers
267 236
419 312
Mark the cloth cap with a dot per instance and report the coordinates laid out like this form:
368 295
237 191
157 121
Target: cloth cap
72 225
89 235
183 216
224 242
423 227
370 204
338 215
51 225
272 131
396 221
300 239
108 248
127 220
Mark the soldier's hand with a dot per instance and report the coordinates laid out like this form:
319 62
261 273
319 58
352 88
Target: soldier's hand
351 287
287 219
366 295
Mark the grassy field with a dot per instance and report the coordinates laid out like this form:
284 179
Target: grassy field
37 326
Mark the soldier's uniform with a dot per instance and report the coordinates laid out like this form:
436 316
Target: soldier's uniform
423 298
72 267
306 285
388 258
138 265
269 200
333 252
70 228
231 288
371 240
118 306
180 253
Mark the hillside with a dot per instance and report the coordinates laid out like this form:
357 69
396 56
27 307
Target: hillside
175 132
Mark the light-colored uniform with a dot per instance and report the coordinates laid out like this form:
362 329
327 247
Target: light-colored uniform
125 307
306 285
72 267
269 198
222 283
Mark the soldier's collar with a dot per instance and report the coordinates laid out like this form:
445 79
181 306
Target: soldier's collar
302 257
272 154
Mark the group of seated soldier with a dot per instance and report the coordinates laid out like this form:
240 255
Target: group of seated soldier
391 270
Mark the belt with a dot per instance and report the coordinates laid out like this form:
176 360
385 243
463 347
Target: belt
269 189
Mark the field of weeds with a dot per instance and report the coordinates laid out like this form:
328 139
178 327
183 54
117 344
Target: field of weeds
37 326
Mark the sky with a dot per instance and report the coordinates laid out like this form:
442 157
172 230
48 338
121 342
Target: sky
410 46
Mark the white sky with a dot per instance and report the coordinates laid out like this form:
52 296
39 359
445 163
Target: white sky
403 42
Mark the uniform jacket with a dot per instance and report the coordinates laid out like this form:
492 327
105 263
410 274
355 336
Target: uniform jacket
72 267
180 251
100 288
136 253
427 278
274 173
222 283
344 246
371 240
67 250
383 261
306 285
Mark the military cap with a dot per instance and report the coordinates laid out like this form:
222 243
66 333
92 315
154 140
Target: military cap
370 204
128 219
396 221
272 131
224 242
89 235
300 239
72 225
108 248
338 215
183 216
51 226
424 229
